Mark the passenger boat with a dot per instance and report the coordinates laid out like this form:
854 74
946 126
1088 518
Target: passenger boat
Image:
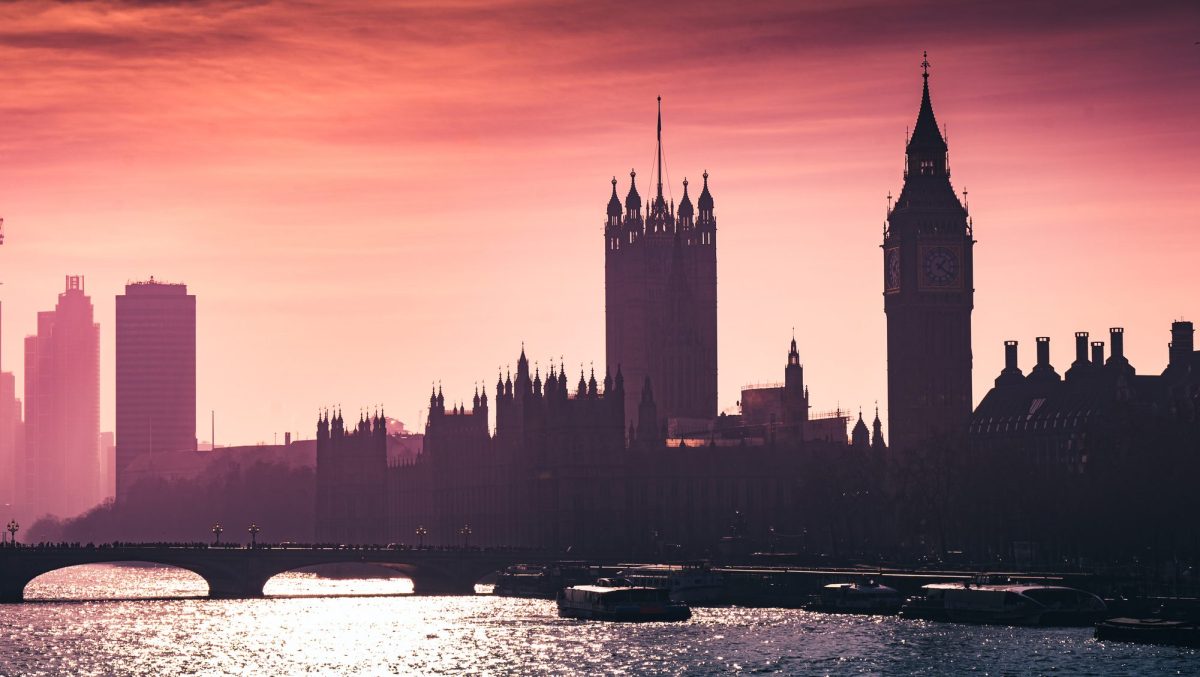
857 598
690 582
1150 631
1005 604
543 582
620 603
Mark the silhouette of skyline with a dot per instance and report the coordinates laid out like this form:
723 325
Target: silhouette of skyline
363 214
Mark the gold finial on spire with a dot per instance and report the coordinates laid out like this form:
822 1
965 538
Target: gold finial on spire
925 64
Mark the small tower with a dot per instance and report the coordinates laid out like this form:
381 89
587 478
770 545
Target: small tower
860 437
877 443
795 395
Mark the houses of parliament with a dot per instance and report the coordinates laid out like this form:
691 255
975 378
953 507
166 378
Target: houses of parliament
634 460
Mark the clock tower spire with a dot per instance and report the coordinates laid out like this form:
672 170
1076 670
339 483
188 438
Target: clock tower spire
928 294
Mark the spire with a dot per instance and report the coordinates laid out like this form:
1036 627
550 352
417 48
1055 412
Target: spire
685 205
633 200
614 203
660 153
705 201
926 137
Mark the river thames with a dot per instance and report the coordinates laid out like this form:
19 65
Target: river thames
376 629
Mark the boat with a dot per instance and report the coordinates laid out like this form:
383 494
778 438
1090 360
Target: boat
857 598
1005 603
689 582
541 582
620 603
1175 632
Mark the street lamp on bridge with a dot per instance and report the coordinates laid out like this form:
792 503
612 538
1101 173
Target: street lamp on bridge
465 532
253 529
13 528
421 531
217 529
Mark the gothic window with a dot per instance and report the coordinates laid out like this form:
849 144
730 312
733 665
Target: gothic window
926 167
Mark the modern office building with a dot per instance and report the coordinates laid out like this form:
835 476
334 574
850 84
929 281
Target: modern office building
62 474
155 372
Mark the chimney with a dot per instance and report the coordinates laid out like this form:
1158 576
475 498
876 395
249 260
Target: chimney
1116 342
1180 348
1042 371
1098 353
1012 373
1081 348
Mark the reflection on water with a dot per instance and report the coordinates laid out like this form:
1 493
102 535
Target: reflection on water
288 635
135 580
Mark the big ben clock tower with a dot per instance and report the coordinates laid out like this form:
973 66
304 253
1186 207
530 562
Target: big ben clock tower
928 295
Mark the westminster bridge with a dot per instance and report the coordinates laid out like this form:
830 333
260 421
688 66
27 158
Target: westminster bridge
241 572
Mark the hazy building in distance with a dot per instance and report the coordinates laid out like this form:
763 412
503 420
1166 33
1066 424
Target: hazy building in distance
928 291
11 436
155 372
62 474
660 290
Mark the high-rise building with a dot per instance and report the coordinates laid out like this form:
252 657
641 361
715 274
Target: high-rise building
62 473
156 372
928 295
660 286
10 439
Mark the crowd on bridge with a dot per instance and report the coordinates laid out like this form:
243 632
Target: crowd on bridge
285 545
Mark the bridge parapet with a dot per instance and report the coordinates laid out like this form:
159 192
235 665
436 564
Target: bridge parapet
239 572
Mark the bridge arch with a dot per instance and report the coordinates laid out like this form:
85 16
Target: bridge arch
138 579
346 578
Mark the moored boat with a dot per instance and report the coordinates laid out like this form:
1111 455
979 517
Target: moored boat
856 598
1149 631
624 603
690 582
1005 604
541 581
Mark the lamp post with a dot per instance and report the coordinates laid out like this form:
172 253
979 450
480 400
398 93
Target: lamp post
13 528
217 529
253 529
421 531
465 532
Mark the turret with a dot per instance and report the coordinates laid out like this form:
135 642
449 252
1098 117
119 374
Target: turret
685 211
633 201
877 443
705 220
1181 347
860 437
614 208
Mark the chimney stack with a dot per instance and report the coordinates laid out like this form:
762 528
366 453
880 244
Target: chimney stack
1180 348
1081 349
1098 353
1043 371
1012 373
1116 342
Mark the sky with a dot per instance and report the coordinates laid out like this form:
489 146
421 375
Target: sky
367 198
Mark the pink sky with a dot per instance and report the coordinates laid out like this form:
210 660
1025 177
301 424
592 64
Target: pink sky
368 200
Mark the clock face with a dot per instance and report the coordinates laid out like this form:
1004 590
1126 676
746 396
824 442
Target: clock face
941 266
892 269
